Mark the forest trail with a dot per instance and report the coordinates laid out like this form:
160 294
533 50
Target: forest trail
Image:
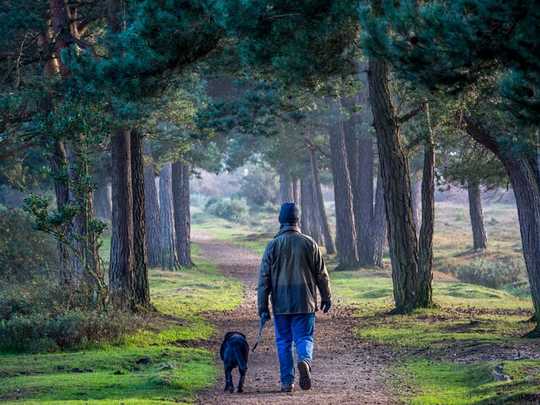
345 370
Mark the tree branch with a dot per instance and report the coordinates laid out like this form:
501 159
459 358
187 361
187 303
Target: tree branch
406 117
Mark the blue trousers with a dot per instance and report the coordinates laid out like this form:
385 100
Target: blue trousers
297 328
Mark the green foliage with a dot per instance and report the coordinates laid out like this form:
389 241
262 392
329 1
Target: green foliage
299 40
24 252
452 45
232 209
158 36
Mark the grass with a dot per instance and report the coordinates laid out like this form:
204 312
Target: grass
435 345
156 365
250 236
451 383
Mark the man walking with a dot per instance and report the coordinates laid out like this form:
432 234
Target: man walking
292 269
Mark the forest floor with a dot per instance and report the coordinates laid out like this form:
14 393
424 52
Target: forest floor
345 371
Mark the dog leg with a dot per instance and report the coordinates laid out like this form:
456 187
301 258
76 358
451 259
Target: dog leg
229 386
241 380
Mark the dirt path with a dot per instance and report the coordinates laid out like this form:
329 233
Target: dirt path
345 371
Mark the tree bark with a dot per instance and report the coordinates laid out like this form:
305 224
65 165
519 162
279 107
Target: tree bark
121 268
152 215
397 190
86 270
59 169
416 197
141 286
168 258
524 173
425 268
364 206
182 216
286 192
296 190
476 215
102 201
378 226
310 219
325 226
345 227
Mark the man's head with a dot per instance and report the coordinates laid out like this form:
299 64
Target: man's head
289 214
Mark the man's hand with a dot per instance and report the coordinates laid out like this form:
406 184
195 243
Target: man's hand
326 305
265 316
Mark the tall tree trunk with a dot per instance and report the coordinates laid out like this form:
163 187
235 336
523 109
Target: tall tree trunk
524 174
364 211
360 162
182 217
476 215
425 268
141 286
152 215
416 197
378 226
102 201
286 193
168 258
122 263
397 189
325 226
86 267
345 227
310 214
296 190
59 169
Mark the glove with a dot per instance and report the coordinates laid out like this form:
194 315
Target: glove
325 306
265 316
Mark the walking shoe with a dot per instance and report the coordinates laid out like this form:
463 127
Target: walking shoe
305 375
287 388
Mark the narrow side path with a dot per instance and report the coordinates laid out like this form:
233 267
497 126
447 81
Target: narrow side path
345 370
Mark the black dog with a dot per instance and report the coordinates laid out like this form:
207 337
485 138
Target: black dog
234 352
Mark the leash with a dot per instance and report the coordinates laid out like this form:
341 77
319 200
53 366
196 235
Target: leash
259 335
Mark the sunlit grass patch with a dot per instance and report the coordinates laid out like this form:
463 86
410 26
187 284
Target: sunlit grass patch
249 237
461 384
120 374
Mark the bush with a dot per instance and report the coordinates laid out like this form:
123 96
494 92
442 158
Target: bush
71 329
24 252
41 316
491 274
235 209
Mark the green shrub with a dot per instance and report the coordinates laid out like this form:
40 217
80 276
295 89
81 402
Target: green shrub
71 329
234 209
40 315
24 252
491 274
